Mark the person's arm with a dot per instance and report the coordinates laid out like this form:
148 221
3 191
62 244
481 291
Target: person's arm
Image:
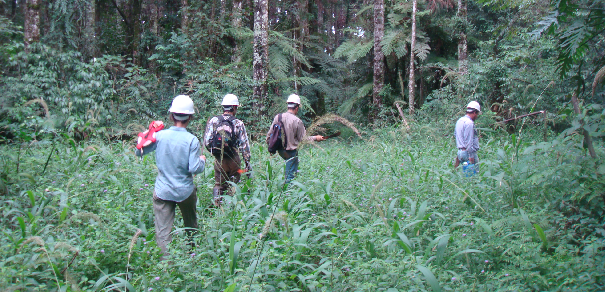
196 161
301 133
208 133
244 145
145 150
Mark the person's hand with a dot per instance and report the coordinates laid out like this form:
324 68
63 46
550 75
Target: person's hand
156 124
203 157
471 160
319 138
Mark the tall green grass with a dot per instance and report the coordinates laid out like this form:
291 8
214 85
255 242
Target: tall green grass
388 213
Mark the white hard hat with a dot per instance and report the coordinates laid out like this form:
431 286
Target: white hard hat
230 99
473 105
293 98
182 104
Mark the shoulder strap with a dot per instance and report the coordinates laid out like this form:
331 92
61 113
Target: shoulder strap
279 119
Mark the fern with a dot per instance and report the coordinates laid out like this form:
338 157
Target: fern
422 50
362 92
354 49
394 41
546 25
575 27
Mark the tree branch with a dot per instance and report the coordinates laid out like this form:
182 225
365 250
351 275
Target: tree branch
115 4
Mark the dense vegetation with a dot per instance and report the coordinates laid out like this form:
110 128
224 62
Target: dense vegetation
384 212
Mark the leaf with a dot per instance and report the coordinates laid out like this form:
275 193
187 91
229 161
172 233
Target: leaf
486 227
22 225
466 251
63 215
405 242
28 177
234 250
601 169
422 210
354 49
101 281
422 50
526 221
430 278
32 199
441 246
542 236
230 288
122 283
545 25
371 249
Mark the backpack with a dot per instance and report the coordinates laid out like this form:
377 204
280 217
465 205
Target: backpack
223 140
278 138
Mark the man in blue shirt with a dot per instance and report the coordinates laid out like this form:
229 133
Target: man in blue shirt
178 158
467 139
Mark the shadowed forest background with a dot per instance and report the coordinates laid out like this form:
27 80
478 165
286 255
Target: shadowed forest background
382 212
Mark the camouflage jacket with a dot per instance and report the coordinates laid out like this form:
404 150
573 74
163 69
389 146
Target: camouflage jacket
242 144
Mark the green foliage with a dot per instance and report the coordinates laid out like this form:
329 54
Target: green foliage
576 24
368 215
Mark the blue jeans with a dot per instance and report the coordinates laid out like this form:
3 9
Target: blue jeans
464 156
291 157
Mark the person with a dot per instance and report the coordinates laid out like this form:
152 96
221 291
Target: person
295 132
227 162
467 140
178 158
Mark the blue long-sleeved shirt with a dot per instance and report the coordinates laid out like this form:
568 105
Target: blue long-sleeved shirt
177 154
466 135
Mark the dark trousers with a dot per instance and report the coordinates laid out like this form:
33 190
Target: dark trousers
291 157
225 169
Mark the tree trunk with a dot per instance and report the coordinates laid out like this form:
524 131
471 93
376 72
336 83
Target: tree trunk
587 138
236 22
135 14
412 82
184 16
13 9
378 55
261 55
32 22
91 29
320 16
130 13
151 11
462 42
300 34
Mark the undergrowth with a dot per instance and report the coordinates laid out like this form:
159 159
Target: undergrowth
386 213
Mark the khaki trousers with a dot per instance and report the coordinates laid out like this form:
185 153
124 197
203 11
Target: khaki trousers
164 217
